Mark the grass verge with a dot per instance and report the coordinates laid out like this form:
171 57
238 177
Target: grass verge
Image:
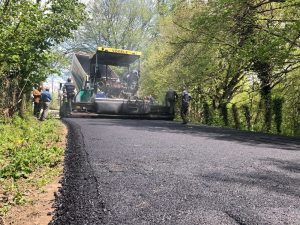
31 155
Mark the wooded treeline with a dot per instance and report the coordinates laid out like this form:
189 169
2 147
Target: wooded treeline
28 32
238 58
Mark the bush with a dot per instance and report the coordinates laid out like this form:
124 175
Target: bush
27 144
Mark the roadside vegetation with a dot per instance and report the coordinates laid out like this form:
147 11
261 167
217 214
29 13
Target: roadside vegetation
238 59
31 154
31 151
30 32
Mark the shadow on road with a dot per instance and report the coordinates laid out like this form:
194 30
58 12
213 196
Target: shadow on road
284 165
226 134
273 179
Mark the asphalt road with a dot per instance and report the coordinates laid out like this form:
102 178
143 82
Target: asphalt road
160 172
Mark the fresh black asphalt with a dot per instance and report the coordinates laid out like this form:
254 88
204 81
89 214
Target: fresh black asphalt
162 172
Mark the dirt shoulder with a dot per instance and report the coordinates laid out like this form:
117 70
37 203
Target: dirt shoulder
38 210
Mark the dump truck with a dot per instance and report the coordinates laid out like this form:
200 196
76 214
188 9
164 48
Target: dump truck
102 92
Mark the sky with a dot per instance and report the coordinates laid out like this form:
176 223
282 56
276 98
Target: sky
84 1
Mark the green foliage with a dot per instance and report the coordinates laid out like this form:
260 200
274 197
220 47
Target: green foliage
5 208
30 155
229 52
19 198
24 146
116 23
28 31
156 77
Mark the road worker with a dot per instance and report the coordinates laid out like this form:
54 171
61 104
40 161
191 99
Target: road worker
46 99
185 98
69 91
37 101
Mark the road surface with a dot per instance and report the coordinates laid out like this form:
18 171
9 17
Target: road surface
162 172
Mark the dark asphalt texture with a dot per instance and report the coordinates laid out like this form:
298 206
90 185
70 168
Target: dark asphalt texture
162 172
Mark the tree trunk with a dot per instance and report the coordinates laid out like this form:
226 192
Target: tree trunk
267 98
224 113
206 113
264 70
236 117
247 115
277 107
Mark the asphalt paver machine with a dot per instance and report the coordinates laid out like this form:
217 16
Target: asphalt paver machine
101 92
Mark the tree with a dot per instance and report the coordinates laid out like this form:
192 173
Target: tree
28 30
212 69
122 24
222 49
